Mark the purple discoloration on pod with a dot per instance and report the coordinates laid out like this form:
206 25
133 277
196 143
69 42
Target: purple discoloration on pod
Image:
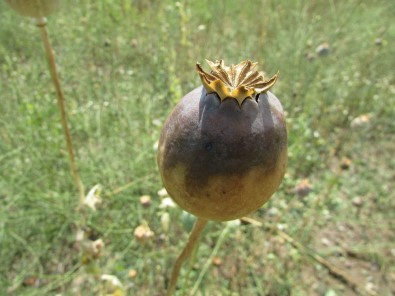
219 160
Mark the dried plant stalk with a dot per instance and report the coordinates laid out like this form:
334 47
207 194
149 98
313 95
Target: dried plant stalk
41 24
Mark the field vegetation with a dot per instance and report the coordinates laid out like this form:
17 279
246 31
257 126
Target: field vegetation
329 230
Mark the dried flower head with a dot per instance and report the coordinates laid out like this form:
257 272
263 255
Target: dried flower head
241 81
112 284
303 188
132 273
143 233
223 149
96 248
167 202
163 193
145 201
93 197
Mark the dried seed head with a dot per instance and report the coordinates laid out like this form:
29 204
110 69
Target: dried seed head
167 202
303 188
93 197
145 201
163 193
33 8
239 82
132 273
143 233
216 261
112 285
223 150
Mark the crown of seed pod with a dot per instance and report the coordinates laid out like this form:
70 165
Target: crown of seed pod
33 8
223 149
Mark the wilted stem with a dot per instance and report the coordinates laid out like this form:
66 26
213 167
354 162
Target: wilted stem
41 24
192 240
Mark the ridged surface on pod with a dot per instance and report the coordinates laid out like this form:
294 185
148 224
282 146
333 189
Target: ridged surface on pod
220 160
33 8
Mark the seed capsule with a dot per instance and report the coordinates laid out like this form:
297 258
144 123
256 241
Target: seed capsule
223 149
33 8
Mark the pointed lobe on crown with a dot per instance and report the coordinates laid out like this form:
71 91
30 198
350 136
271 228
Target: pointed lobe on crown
239 82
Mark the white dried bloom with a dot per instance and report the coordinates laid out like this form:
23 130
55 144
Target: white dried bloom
163 193
167 202
93 197
112 282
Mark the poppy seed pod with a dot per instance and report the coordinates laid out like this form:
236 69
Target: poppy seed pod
223 149
33 8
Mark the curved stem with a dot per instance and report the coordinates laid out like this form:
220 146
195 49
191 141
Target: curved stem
209 261
41 24
192 240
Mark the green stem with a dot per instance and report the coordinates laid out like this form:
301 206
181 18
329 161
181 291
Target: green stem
192 240
42 25
209 261
191 263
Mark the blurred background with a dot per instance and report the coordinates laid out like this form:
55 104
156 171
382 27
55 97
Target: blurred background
329 230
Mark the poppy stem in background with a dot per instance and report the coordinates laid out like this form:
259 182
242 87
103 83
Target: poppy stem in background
192 240
42 25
